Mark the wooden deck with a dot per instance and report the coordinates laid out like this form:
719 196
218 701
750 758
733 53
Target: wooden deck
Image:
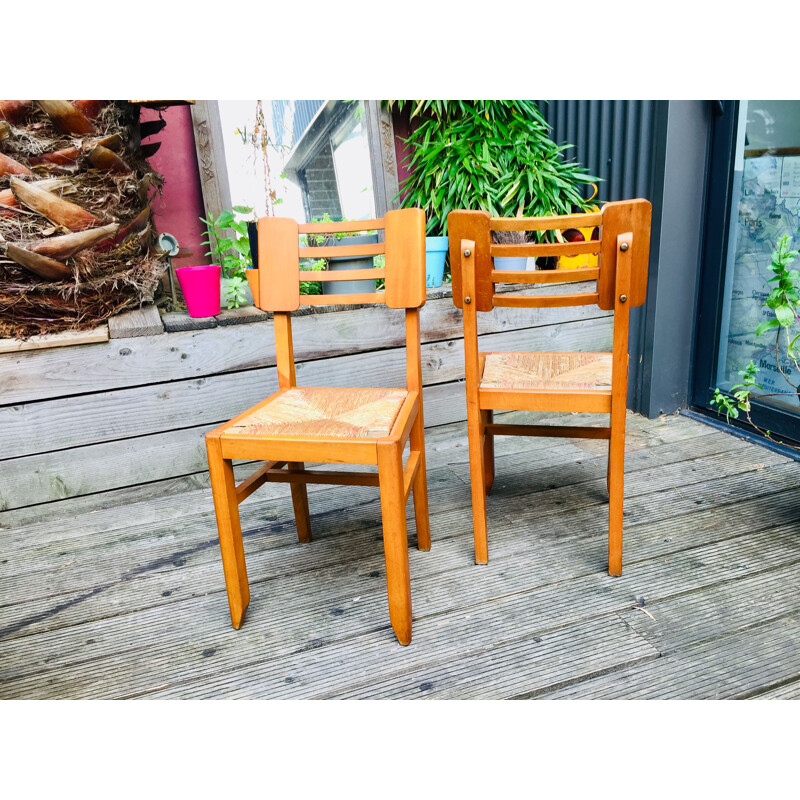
127 601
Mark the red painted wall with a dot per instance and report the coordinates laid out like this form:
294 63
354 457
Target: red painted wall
180 206
402 129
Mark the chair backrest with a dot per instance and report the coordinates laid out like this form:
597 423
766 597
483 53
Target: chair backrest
614 219
276 282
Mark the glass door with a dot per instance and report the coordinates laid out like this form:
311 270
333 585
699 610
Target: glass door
754 201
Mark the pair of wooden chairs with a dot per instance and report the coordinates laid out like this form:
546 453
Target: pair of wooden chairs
372 426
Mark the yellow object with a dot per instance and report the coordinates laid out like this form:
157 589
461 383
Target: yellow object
587 259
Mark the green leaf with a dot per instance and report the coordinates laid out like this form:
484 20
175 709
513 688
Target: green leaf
767 325
785 315
493 155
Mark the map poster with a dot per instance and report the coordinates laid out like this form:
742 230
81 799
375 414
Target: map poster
769 208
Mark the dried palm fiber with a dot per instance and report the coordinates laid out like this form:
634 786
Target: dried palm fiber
95 181
336 413
566 371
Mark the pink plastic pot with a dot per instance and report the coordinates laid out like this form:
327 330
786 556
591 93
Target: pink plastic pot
200 287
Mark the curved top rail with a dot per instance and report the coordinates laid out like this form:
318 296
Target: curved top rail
545 223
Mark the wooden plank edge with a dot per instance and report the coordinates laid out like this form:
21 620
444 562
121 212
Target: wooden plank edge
63 339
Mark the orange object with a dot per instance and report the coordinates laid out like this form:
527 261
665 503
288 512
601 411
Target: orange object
576 382
580 234
10 166
58 210
324 425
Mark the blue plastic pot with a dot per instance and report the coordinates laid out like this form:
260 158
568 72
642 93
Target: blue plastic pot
435 254
511 263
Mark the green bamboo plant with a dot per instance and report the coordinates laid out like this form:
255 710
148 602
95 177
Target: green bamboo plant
494 155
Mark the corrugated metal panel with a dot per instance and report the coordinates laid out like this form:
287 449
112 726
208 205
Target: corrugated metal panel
616 140
613 139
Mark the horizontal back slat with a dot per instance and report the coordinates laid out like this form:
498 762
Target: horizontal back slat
350 226
342 299
345 251
545 249
545 301
344 274
545 276
545 223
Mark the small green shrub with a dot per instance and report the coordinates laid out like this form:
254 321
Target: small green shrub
783 300
232 253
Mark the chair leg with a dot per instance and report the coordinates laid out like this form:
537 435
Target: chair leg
488 450
616 481
477 481
420 487
226 506
300 503
395 538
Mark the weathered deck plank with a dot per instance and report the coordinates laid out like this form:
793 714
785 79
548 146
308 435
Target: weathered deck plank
662 431
207 400
787 691
512 597
112 554
711 550
26 377
738 666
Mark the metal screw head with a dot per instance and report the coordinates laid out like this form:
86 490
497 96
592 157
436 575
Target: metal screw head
468 300
623 298
468 253
623 246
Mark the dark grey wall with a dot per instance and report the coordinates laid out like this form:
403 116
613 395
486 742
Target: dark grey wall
619 142
658 150
670 314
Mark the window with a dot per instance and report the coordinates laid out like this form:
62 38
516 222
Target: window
353 171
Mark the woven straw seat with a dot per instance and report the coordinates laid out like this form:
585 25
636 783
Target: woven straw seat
328 413
548 371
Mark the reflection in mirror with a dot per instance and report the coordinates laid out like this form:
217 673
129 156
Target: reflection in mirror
298 158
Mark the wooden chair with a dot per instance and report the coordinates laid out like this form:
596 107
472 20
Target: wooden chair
587 382
351 426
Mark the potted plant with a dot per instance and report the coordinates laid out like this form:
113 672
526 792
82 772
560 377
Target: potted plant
200 287
510 262
232 253
337 263
435 258
494 155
